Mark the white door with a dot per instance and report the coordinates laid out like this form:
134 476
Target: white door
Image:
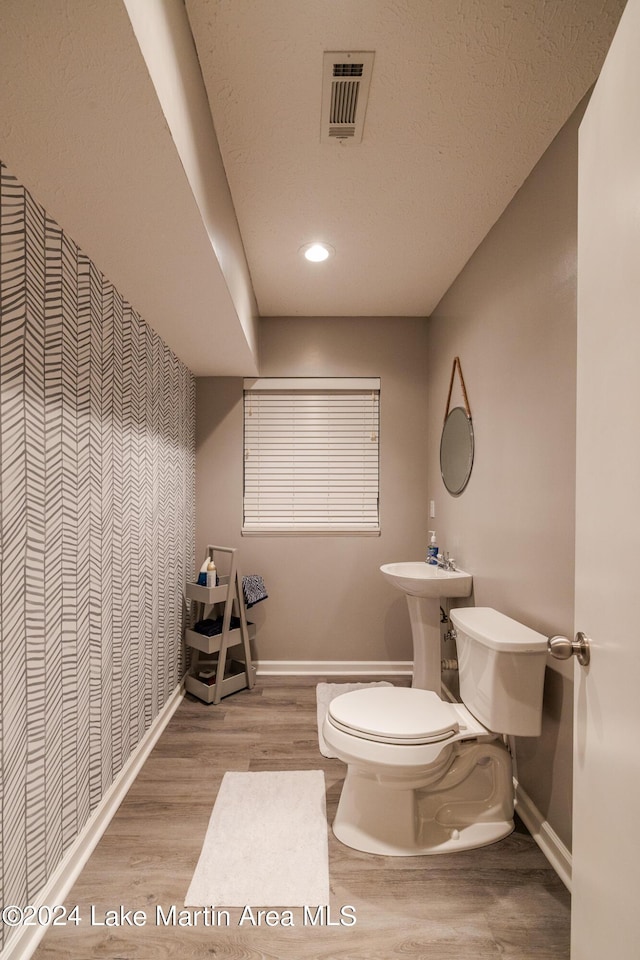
606 841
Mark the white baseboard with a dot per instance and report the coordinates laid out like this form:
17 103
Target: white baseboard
22 944
545 836
332 668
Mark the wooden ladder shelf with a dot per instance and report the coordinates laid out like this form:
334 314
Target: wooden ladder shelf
220 603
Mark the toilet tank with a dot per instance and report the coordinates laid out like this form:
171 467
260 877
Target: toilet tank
501 670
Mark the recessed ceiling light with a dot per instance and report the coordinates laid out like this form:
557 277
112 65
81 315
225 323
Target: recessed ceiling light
317 252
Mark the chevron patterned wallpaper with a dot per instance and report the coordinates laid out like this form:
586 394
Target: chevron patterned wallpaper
97 421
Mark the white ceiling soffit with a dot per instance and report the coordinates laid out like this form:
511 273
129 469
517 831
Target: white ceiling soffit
164 36
465 97
346 78
82 128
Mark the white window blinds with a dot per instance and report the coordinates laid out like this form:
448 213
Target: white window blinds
311 455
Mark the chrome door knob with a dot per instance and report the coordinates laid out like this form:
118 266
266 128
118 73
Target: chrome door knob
562 648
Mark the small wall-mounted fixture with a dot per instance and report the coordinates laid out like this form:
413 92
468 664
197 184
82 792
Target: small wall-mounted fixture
316 252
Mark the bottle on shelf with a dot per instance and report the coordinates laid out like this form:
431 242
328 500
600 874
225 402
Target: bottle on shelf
202 576
212 573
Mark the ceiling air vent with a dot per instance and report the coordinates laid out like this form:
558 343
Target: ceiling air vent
345 88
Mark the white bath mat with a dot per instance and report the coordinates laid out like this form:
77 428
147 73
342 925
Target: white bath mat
325 693
266 844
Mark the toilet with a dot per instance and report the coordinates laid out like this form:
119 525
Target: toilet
427 776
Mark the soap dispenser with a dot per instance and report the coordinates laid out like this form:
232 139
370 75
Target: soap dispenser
432 549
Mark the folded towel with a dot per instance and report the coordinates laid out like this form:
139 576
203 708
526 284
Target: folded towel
211 627
254 589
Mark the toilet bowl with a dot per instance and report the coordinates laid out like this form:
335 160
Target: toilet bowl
427 776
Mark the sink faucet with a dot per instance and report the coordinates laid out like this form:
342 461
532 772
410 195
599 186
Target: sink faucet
446 562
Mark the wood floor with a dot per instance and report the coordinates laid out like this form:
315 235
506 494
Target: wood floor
502 901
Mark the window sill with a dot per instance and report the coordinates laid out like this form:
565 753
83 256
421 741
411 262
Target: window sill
311 532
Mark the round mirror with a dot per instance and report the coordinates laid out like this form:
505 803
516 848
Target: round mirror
456 450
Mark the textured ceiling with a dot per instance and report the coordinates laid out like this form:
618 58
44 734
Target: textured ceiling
465 97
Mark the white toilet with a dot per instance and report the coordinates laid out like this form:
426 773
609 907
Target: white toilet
428 776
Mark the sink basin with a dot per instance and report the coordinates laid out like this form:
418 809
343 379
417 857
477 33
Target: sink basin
419 579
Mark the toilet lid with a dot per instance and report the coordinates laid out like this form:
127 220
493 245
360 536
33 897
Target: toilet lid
402 715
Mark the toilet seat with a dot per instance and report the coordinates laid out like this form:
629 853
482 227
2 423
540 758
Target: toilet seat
395 715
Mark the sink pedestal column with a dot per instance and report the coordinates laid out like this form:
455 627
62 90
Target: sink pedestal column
424 614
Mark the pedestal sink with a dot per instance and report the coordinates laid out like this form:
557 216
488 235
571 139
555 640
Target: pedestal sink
424 585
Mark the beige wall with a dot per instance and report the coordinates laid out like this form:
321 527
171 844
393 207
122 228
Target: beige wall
327 600
511 318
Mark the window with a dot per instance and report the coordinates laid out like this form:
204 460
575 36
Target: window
311 456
